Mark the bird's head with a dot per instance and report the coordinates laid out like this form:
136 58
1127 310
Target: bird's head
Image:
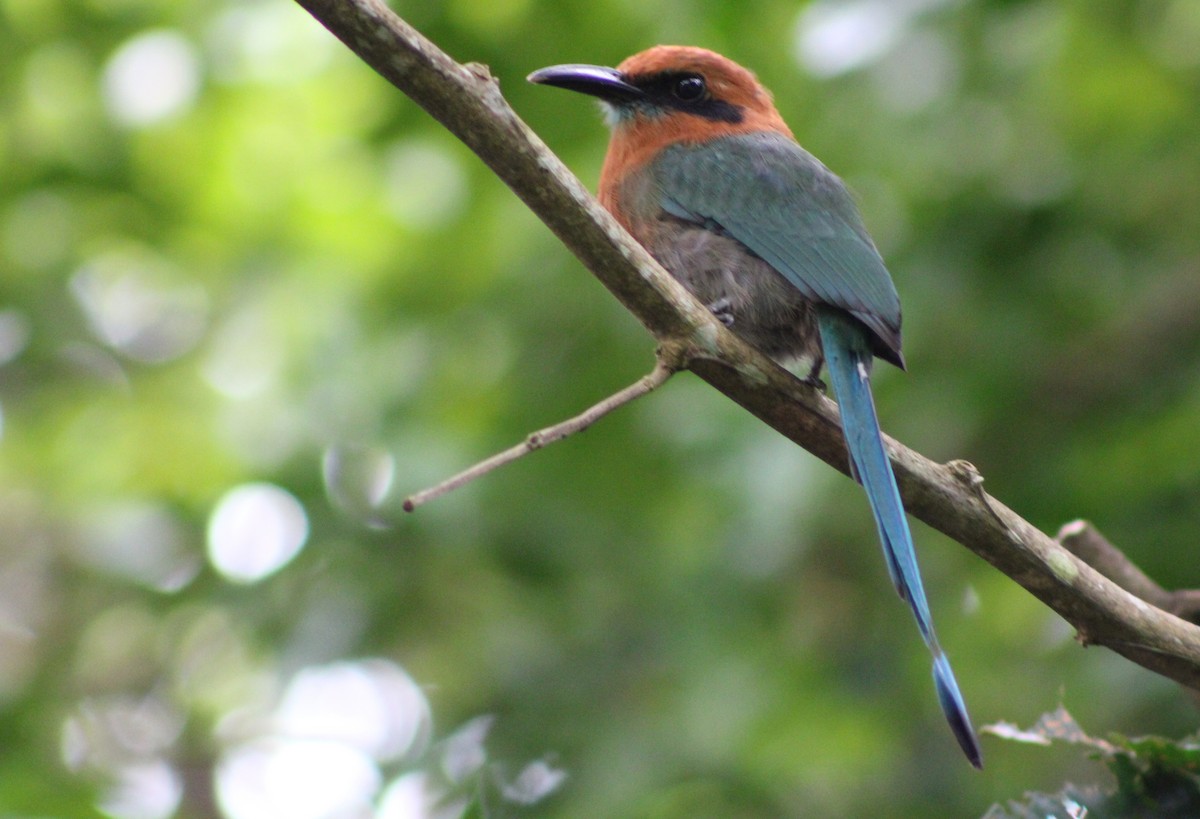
702 93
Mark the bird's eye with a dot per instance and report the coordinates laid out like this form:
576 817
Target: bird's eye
689 89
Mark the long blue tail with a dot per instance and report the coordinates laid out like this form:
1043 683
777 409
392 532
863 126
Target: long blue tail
848 361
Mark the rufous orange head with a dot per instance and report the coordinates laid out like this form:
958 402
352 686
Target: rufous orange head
666 95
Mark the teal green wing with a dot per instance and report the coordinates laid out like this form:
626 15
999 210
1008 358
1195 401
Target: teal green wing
790 210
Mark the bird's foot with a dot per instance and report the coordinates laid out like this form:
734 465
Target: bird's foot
812 379
722 309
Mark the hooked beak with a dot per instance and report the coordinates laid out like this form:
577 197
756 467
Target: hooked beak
606 83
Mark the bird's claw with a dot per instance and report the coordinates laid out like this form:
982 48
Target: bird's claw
812 379
722 310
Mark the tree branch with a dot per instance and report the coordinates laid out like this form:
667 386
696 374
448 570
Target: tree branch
1085 542
950 498
664 368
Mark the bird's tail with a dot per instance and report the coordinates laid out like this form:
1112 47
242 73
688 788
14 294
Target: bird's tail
848 361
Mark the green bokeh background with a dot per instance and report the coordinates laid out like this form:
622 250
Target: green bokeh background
294 276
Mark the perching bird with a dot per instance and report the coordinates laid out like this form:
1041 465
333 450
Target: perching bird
703 171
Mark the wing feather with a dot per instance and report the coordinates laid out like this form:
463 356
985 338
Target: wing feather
790 210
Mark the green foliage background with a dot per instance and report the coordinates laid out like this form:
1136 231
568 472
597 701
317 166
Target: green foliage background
293 276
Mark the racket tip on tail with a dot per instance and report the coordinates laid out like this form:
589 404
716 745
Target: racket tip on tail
956 710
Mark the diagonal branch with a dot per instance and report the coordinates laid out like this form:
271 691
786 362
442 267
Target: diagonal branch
948 497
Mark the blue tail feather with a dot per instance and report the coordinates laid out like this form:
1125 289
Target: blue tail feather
848 360
955 709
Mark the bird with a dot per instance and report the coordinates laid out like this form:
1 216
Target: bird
702 170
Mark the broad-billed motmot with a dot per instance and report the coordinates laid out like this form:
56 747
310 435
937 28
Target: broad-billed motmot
703 171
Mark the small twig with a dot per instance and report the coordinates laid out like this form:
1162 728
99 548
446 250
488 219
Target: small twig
543 437
1085 541
1185 603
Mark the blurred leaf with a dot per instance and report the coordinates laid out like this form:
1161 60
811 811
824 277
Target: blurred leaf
1154 776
